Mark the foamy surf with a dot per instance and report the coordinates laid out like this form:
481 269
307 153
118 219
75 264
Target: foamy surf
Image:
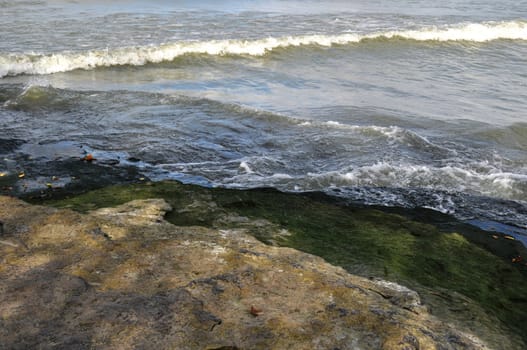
474 32
37 63
493 182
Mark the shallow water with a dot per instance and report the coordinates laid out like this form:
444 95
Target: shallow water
399 103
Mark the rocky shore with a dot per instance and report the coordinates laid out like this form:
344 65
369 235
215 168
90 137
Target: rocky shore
126 278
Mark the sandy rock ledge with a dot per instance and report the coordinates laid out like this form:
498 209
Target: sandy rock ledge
123 278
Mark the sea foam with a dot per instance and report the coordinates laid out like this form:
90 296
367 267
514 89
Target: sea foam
37 63
493 182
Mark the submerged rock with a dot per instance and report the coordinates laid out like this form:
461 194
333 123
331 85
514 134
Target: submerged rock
124 278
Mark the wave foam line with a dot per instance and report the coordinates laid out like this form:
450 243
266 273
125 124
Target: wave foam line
494 182
15 64
474 32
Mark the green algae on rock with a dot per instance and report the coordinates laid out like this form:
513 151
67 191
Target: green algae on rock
124 278
454 269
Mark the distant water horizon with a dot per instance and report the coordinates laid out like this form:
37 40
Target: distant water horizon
396 103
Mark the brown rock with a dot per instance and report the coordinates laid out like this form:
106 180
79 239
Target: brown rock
124 278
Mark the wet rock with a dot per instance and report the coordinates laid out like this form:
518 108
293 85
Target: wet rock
9 145
151 284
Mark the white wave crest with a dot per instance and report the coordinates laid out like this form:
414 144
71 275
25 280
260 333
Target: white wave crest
493 182
393 134
34 63
475 32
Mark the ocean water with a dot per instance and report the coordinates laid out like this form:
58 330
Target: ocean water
412 103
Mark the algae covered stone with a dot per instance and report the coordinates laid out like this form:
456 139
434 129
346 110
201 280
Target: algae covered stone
166 286
463 275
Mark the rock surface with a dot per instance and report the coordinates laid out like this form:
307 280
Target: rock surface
123 278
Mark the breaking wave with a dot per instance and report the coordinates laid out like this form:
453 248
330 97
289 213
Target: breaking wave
493 182
35 63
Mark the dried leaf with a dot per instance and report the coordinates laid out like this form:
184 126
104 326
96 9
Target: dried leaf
88 158
255 311
517 259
